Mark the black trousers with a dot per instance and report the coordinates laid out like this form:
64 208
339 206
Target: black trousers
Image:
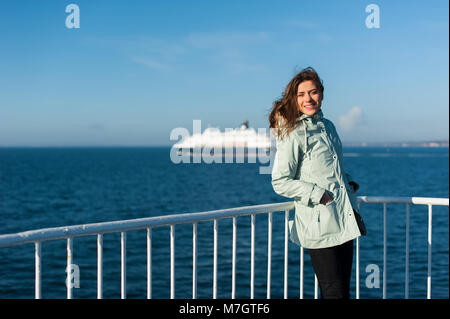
333 268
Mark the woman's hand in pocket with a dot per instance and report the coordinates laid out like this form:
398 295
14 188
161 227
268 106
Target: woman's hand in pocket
354 186
326 198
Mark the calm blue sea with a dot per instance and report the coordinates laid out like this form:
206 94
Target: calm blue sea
48 187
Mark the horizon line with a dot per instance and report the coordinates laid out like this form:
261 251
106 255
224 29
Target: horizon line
171 145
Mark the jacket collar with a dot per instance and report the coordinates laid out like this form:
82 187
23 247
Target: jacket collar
308 118
317 116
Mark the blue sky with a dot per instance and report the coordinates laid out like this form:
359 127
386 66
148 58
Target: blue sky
135 70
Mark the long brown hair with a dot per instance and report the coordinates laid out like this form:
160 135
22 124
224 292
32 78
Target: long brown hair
285 112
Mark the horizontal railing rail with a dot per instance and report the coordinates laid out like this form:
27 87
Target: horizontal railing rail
404 200
55 233
36 237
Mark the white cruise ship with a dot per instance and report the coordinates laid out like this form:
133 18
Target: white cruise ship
242 139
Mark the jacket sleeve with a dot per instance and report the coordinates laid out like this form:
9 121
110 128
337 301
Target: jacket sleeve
284 171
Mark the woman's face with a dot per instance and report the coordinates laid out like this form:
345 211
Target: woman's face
309 98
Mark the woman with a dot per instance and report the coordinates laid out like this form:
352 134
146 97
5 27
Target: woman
308 167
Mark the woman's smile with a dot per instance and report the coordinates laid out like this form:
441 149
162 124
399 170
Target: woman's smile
309 106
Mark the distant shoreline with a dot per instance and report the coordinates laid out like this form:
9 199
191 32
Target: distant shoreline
398 144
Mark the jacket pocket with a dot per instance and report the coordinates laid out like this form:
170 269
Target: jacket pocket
312 230
328 219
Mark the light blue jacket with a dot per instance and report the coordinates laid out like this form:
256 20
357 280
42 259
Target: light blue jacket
307 163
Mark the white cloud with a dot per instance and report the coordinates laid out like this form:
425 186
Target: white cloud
350 120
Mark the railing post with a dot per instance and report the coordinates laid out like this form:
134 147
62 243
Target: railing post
37 276
69 267
215 261
233 262
194 261
407 254
384 250
149 263
99 266
269 254
302 255
357 268
430 211
286 231
252 257
123 265
357 264
316 287
172 261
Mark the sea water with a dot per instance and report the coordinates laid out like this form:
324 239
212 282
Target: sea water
49 187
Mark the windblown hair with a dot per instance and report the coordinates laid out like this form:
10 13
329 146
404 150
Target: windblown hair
285 111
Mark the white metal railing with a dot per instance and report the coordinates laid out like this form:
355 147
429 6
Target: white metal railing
36 237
